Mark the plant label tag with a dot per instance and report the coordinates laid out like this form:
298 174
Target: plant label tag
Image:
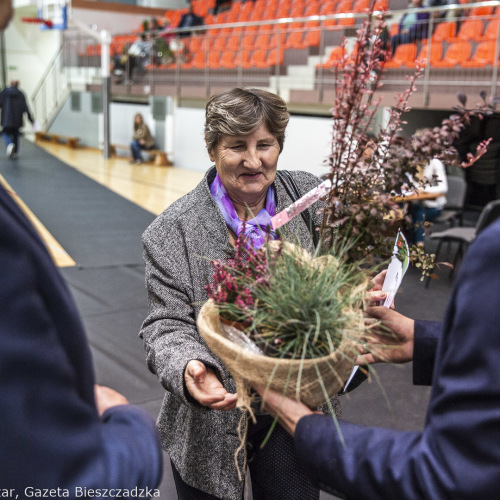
397 268
301 204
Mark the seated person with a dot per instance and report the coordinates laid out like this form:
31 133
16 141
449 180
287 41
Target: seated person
139 54
427 210
412 27
188 20
142 139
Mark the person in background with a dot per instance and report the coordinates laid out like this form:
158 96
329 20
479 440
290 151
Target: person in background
412 27
456 455
13 105
427 210
179 46
189 20
142 139
139 54
60 432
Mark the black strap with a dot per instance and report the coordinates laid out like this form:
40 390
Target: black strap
294 193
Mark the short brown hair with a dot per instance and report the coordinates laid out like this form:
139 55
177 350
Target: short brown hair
240 111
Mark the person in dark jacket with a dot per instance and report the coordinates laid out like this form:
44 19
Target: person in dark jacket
14 106
62 435
188 20
456 455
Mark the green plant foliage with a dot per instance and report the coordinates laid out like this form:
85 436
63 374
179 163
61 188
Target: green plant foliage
293 304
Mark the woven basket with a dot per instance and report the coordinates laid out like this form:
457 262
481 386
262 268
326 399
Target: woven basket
297 379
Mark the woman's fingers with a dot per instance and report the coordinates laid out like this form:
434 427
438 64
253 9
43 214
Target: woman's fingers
204 386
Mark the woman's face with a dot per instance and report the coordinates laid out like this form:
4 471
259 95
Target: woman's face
247 164
138 119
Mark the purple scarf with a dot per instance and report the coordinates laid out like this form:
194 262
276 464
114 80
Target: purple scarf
255 229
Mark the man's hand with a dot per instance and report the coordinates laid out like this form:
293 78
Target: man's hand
392 344
375 295
106 398
205 387
289 411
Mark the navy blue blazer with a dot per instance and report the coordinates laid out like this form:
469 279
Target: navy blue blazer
50 433
457 455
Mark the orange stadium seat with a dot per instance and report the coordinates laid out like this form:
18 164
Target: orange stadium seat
484 55
282 11
343 7
326 8
220 43
381 5
236 6
404 55
277 39
214 59
197 60
436 55
312 38
256 15
275 57
312 9
483 11
263 41
232 16
296 11
334 58
360 5
248 41
457 53
227 59
260 4
491 30
445 31
471 29
245 11
393 30
233 42
294 40
269 13
243 59
259 58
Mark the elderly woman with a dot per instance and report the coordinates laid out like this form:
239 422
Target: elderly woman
198 422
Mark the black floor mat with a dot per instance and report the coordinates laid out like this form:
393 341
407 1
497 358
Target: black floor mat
96 226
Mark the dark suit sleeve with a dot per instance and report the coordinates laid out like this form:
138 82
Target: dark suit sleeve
51 433
457 454
427 334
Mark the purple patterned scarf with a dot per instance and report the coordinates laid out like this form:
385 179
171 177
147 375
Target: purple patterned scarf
256 228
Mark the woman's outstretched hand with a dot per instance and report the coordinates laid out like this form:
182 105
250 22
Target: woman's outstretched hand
204 386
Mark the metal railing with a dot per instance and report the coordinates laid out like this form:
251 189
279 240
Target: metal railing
295 74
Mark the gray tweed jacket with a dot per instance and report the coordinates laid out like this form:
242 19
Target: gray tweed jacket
178 248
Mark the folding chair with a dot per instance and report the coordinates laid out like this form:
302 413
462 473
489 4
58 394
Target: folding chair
464 236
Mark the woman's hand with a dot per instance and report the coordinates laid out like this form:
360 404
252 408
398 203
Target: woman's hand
204 386
392 344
